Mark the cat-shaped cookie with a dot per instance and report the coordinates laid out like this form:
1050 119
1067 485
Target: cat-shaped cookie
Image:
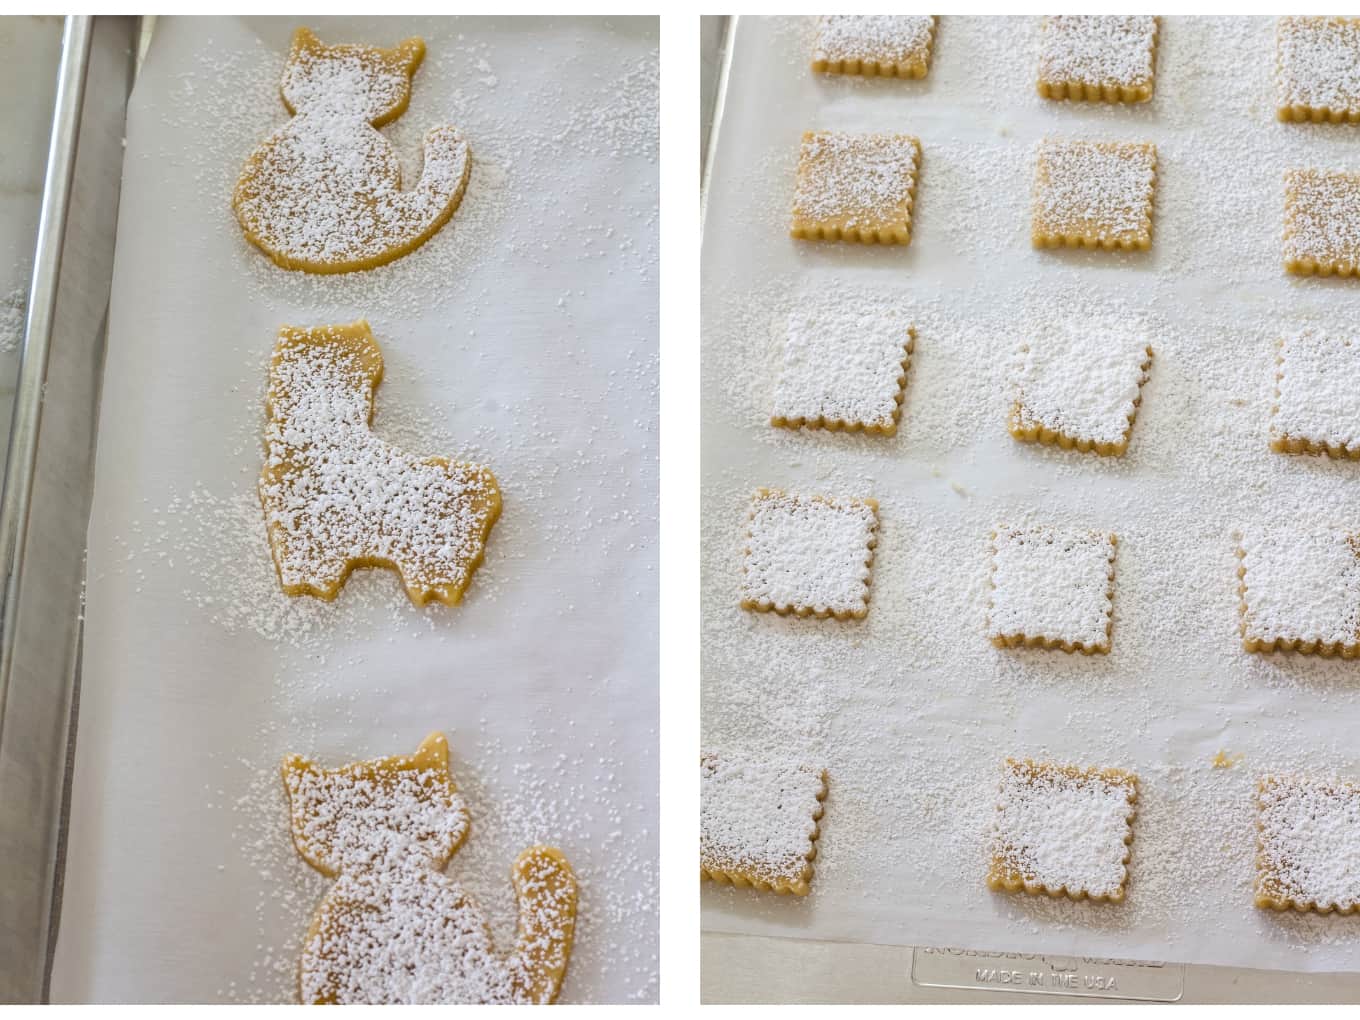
323 194
394 928
336 497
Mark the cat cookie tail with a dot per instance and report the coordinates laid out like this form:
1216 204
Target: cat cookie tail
546 890
448 164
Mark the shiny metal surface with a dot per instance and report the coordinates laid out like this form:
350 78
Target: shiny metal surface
763 969
42 302
715 55
44 509
712 59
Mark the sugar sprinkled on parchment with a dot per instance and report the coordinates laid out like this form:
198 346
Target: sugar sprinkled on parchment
912 709
570 490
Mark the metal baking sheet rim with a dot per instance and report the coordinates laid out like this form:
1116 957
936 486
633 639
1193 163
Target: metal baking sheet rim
55 416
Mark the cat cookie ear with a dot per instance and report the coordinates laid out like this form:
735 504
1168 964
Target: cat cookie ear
432 754
297 763
305 41
410 52
310 845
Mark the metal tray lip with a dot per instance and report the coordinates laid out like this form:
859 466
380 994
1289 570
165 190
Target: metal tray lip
21 457
719 108
59 333
16 499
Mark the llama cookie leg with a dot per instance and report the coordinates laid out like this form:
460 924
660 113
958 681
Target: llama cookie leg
473 491
546 890
324 576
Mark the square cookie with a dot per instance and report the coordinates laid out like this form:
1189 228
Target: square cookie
845 367
1098 57
1317 69
1321 222
809 555
1317 395
1308 853
1094 194
1080 386
1063 830
874 44
1051 588
758 821
855 187
1300 591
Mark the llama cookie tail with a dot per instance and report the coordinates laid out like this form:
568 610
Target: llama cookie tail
546 890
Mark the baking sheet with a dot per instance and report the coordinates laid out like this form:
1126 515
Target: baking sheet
523 335
28 77
911 710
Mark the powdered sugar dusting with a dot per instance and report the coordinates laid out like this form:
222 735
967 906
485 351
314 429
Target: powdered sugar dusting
1322 221
1051 587
758 819
13 315
809 554
1095 193
860 181
394 928
1310 843
1063 829
513 807
888 43
844 368
335 494
1301 584
512 205
551 260
913 802
1098 51
1317 395
1317 69
324 192
1081 378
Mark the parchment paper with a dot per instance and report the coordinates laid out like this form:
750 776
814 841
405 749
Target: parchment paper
522 335
912 711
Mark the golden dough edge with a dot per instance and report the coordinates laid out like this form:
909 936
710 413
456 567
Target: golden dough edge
1023 640
884 427
1266 888
1002 878
786 609
798 886
1045 436
898 234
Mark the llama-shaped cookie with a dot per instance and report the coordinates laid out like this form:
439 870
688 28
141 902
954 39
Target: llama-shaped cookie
337 497
394 928
323 193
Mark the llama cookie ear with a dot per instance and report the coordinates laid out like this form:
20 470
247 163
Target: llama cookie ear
305 41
